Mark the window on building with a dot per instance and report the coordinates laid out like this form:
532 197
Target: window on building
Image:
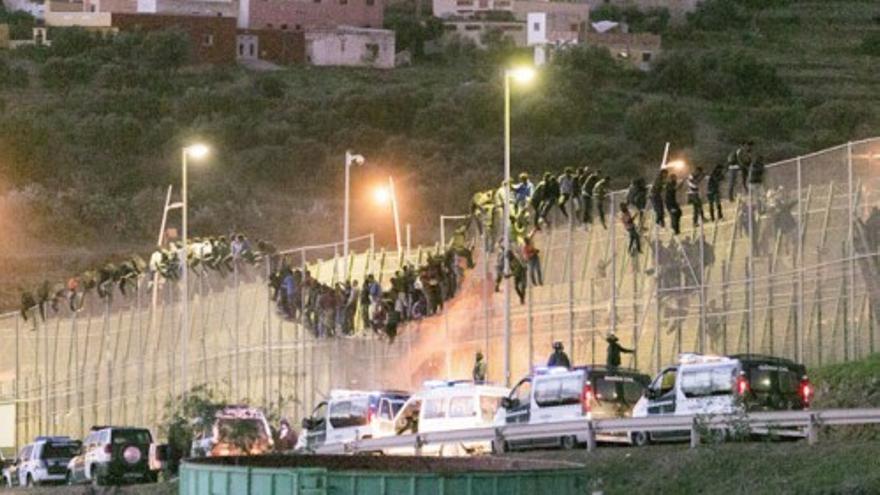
343 2
241 49
464 3
573 27
537 26
269 25
502 4
372 51
284 27
317 1
208 40
298 27
371 2
472 27
646 57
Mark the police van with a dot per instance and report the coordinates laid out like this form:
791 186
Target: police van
710 385
350 415
561 394
447 405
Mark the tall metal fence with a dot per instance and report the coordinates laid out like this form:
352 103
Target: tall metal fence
792 270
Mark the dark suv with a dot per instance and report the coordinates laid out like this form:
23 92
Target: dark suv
112 454
771 384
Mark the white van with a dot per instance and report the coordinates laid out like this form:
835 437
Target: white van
711 385
449 405
560 394
350 415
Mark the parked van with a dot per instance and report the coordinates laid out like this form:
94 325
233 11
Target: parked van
562 394
350 415
723 385
448 405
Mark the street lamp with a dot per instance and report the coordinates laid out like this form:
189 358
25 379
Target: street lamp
197 152
350 159
522 75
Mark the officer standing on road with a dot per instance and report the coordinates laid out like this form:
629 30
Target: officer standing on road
614 350
479 368
559 357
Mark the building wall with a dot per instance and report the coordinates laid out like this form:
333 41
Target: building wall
212 39
61 6
273 45
475 30
347 47
314 14
469 8
640 49
78 19
224 8
120 6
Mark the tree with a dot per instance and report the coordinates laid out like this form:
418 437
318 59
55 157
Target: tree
654 122
185 418
166 50
21 24
65 73
870 44
717 15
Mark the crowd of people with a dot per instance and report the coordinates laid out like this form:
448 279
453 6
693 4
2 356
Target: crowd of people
344 307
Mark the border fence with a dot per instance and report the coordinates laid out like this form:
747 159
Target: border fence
792 270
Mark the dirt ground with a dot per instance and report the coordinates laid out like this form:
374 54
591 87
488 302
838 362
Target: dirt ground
166 488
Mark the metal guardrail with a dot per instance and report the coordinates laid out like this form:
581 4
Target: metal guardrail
808 422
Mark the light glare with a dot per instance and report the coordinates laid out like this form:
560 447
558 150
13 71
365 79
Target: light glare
522 74
197 150
382 195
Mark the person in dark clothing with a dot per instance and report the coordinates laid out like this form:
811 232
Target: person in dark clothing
670 200
738 163
539 198
559 357
635 243
592 177
756 182
600 194
27 303
713 191
614 351
637 196
657 198
551 196
693 195
479 372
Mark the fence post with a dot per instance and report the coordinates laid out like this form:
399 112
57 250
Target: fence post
695 434
813 430
570 258
611 231
591 436
799 327
17 378
850 316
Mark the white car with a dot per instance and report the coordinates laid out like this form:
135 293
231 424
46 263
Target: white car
42 462
446 406
350 415
717 385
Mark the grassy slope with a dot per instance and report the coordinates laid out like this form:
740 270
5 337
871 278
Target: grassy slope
752 468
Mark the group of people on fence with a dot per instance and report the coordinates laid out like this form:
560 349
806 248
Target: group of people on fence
211 254
344 307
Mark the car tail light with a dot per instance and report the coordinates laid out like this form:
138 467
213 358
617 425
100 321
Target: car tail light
806 391
742 385
587 398
108 449
370 415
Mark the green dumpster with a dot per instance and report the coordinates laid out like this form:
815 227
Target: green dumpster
378 475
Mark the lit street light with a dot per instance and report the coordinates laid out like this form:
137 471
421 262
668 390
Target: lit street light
522 75
350 159
384 195
196 151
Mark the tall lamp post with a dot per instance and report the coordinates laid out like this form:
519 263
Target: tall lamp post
522 75
383 195
196 151
350 159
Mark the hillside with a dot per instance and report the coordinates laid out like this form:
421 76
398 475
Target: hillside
90 130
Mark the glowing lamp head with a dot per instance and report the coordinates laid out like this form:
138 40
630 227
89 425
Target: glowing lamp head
197 151
382 195
676 164
522 75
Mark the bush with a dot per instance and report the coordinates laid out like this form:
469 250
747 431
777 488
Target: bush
72 42
166 50
585 68
717 15
21 24
270 86
12 76
836 121
65 73
871 44
654 122
725 75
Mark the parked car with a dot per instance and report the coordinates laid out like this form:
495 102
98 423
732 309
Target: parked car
710 385
237 430
112 455
42 462
350 415
562 394
445 406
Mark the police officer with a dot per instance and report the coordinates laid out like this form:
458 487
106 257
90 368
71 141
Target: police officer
614 351
559 357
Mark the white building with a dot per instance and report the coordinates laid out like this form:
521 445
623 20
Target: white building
350 46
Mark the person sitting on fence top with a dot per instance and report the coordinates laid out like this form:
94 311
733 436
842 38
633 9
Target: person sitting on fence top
637 196
559 357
